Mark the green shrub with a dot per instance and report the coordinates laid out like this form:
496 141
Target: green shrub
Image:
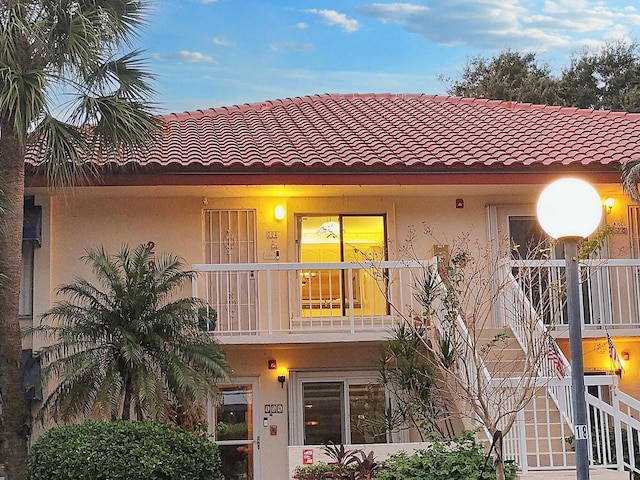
462 458
122 451
318 471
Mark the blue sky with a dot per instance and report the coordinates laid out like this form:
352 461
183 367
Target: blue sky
212 53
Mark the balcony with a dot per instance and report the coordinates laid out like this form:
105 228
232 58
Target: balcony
609 293
260 303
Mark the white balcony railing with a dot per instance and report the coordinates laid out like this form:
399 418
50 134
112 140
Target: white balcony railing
289 298
609 293
285 298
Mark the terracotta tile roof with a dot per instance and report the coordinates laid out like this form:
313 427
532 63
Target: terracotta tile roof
382 132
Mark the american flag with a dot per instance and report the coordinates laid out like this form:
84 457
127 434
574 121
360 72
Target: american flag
554 355
613 355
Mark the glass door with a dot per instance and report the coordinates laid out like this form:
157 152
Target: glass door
236 433
342 238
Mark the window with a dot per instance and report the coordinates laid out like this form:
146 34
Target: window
31 237
26 282
342 238
347 410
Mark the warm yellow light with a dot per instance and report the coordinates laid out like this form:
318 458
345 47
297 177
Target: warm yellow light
609 203
279 212
569 208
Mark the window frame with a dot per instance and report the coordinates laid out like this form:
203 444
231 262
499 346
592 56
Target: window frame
347 377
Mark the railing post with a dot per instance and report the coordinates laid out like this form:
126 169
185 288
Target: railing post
522 440
617 425
269 304
352 318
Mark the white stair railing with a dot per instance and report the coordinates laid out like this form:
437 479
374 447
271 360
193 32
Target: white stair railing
612 414
523 318
471 368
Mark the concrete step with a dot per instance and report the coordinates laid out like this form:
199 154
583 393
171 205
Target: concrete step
594 474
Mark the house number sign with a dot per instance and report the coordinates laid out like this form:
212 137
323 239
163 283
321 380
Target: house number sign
581 432
274 408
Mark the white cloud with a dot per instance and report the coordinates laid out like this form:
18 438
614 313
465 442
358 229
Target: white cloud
302 25
223 43
497 24
332 17
184 56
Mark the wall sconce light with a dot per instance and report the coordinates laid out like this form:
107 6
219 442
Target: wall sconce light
625 356
609 203
279 213
281 379
272 365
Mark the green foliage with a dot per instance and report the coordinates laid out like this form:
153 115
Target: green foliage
607 78
129 343
345 464
411 380
595 243
462 458
317 471
509 76
122 451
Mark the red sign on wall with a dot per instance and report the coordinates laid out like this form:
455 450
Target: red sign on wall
307 456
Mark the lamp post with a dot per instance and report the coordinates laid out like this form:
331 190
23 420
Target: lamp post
570 210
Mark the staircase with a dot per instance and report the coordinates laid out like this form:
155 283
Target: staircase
540 439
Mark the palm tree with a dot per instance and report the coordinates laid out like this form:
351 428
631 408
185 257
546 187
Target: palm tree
128 344
52 50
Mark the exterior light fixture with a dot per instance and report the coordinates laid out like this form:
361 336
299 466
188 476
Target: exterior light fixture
570 210
609 203
625 356
281 379
279 213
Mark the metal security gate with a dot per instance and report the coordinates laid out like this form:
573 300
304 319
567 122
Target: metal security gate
230 237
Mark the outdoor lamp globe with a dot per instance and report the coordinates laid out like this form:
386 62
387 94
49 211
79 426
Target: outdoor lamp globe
569 207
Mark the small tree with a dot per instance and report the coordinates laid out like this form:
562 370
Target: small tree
454 338
128 345
413 384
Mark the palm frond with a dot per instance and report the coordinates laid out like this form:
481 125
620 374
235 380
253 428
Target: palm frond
629 178
129 338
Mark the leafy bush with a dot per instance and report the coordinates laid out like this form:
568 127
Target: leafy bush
121 451
458 459
317 471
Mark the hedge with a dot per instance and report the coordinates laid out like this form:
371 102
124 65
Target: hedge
123 450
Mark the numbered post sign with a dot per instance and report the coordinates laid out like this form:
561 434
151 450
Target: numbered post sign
581 432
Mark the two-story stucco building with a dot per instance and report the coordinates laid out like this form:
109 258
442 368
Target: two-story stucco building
276 204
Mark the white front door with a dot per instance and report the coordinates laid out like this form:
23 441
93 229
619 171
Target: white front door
236 430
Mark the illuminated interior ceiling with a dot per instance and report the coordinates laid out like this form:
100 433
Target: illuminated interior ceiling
315 229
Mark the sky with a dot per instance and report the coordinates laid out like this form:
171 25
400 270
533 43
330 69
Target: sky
215 53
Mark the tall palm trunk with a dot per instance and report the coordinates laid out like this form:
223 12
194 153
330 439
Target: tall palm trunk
14 418
126 404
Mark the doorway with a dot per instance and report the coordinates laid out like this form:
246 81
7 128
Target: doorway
235 431
342 238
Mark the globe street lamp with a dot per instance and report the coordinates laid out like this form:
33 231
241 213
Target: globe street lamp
570 210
